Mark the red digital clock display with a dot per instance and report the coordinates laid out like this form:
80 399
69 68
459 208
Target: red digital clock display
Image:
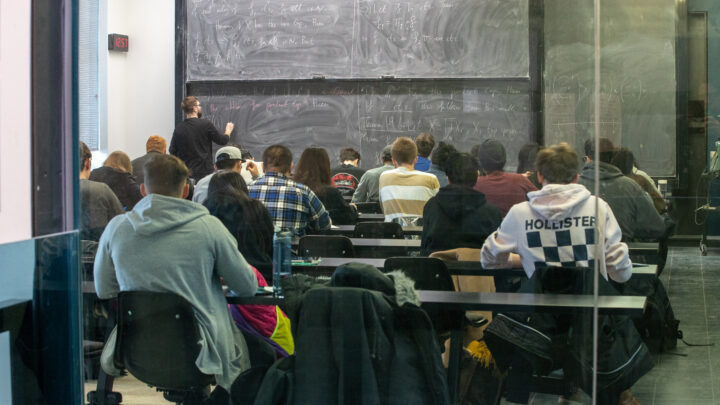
118 42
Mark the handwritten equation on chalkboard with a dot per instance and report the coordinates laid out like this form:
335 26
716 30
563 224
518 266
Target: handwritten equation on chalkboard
369 116
278 39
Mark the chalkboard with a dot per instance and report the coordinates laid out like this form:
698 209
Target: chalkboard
368 115
299 39
637 78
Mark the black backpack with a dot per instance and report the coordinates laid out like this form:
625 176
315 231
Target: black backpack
657 325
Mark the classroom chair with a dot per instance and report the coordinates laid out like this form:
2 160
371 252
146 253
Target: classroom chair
380 230
325 246
430 274
157 342
369 207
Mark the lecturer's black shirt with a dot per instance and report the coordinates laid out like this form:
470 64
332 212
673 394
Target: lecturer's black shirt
192 142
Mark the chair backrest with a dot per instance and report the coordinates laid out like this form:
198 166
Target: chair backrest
158 340
325 246
383 230
369 207
429 273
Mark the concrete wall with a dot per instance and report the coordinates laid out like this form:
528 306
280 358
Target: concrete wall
139 84
15 182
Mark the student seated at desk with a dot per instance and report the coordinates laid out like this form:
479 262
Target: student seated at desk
292 205
458 216
404 190
247 220
168 244
116 172
313 170
632 206
501 188
557 227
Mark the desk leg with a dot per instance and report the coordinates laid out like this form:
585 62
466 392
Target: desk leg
456 340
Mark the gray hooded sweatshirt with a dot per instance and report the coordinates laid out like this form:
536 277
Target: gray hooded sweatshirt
630 204
168 244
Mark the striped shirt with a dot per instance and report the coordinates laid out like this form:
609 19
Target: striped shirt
403 193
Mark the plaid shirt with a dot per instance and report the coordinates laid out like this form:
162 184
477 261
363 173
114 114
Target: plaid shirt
292 205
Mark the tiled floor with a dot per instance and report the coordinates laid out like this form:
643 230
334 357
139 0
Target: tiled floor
133 392
693 284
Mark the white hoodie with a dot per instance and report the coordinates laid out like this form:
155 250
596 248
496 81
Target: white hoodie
558 227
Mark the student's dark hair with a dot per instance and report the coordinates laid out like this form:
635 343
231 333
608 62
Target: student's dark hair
441 154
246 155
526 157
226 164
166 175
425 143
188 103
589 148
462 169
474 150
623 160
85 154
404 150
491 155
607 149
558 164
386 154
277 157
229 201
349 154
313 169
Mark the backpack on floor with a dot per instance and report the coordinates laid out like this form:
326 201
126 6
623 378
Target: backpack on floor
657 325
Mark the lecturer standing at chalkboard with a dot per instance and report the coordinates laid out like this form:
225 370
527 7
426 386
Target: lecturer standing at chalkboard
193 138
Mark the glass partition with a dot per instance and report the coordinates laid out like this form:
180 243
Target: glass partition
572 209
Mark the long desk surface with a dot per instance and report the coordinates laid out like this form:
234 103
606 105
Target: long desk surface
363 217
507 302
349 230
328 264
459 268
635 248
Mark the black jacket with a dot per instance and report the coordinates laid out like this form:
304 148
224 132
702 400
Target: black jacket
341 213
139 165
356 345
123 184
346 178
192 142
457 217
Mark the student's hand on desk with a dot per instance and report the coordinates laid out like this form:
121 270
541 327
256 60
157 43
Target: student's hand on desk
252 168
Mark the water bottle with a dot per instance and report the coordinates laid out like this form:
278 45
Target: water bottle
282 265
